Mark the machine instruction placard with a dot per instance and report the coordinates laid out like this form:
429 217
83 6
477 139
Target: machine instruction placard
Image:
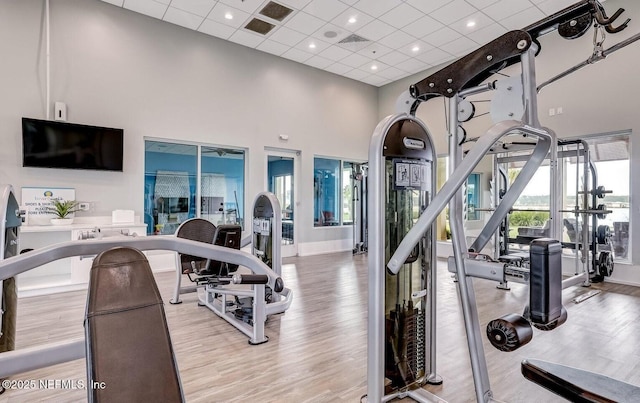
37 200
410 174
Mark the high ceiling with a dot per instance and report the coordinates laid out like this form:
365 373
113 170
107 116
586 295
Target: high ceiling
374 41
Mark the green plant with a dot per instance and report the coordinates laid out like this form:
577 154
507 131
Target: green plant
62 208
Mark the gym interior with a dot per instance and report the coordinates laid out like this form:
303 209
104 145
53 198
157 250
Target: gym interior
319 200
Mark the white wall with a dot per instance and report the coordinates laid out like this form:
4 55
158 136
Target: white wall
116 68
599 98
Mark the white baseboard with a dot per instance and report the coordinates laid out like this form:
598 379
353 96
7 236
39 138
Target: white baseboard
319 248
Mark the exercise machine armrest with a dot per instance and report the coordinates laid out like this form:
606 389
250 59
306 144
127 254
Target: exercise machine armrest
578 385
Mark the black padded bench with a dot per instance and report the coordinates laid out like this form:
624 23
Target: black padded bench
578 385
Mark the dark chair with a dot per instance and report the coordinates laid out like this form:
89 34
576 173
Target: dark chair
130 357
229 236
195 229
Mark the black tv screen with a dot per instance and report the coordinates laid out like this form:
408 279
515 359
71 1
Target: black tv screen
54 144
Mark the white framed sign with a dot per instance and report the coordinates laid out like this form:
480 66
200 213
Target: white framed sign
36 200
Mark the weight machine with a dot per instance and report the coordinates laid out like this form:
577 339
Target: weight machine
244 308
514 109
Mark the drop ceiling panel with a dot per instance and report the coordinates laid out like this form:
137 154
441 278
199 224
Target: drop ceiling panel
401 37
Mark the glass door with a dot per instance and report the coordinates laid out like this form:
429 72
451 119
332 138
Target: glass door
281 181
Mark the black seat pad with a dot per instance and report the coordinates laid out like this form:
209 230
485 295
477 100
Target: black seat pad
578 385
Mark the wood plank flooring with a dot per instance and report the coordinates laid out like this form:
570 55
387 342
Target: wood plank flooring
317 349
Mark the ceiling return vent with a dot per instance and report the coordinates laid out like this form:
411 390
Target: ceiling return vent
354 43
276 11
259 26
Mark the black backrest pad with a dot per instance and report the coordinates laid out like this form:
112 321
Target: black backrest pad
195 229
129 349
229 236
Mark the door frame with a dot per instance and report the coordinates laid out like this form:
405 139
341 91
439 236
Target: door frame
291 249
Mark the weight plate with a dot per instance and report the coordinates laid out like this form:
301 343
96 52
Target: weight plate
603 234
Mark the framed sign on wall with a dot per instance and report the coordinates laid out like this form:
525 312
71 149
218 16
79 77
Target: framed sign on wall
37 200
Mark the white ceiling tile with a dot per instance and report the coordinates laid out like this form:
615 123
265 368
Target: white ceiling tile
392 73
197 7
393 58
374 66
335 53
296 4
287 36
397 39
273 47
435 56
146 7
453 12
297 55
183 18
361 19
428 6
357 74
504 8
523 18
167 2
325 9
318 45
423 26
318 62
246 38
552 6
401 16
355 60
220 10
248 6
305 23
349 2
216 29
339 68
377 7
413 65
442 36
340 33
375 30
375 50
480 4
115 2
461 46
410 48
479 20
375 80
487 34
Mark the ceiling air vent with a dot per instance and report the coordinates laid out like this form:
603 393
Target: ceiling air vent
354 42
276 11
259 26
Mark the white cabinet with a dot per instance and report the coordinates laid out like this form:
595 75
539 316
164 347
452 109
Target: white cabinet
69 273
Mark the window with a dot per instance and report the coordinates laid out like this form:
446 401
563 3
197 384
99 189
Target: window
178 188
333 184
444 233
473 197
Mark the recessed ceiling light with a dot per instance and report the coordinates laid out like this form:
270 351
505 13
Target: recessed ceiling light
374 67
312 45
352 20
228 16
415 48
471 24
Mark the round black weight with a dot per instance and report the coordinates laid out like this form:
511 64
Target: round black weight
600 192
603 234
601 216
509 332
605 264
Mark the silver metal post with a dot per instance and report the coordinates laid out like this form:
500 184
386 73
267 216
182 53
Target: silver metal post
465 283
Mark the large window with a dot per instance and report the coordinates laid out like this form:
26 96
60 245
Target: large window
177 187
333 183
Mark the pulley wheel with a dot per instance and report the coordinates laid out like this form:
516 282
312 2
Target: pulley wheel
603 234
509 332
576 27
466 110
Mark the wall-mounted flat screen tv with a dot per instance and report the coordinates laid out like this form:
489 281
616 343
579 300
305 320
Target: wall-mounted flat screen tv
54 144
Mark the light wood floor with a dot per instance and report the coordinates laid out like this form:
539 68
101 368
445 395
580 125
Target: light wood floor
317 349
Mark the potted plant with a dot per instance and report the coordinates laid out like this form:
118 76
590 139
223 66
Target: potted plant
63 210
